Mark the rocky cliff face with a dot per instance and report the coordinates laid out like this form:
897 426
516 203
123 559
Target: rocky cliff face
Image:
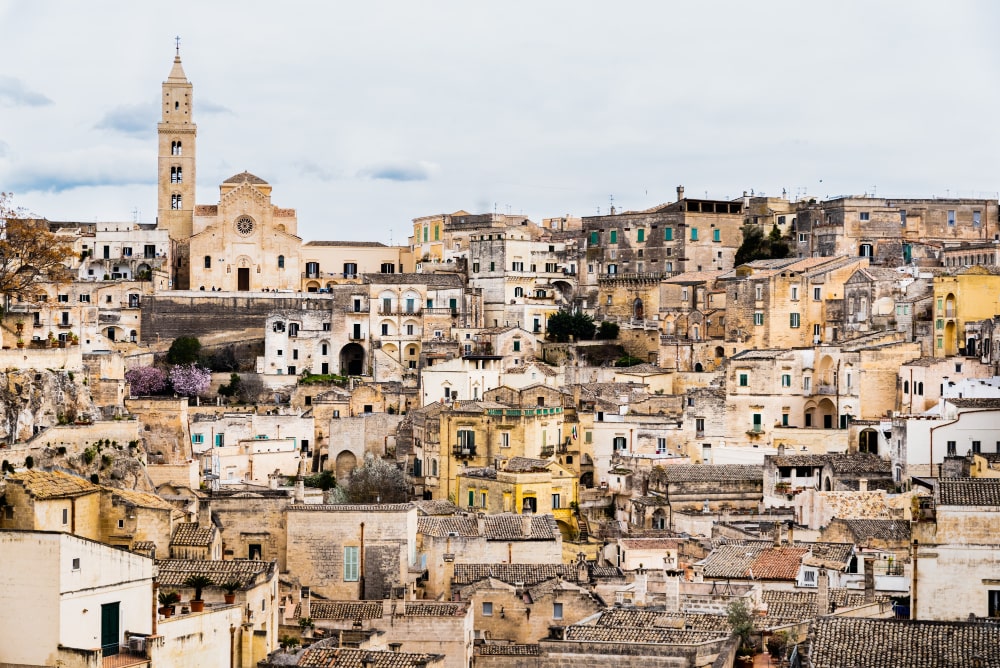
32 400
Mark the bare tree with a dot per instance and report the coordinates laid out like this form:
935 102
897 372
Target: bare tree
29 251
375 481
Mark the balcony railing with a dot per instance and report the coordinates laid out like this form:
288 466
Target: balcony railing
398 311
357 337
463 450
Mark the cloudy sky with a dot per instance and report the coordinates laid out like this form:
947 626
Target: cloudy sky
364 115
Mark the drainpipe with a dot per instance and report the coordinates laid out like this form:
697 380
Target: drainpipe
913 585
361 565
155 603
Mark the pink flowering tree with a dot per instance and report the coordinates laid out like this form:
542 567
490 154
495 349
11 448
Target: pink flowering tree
189 380
146 380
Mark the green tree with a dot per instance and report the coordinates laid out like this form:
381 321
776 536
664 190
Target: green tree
184 350
740 617
564 324
608 331
756 246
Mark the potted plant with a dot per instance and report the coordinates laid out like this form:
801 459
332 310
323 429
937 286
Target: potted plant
168 599
19 326
20 342
306 624
198 582
776 645
230 589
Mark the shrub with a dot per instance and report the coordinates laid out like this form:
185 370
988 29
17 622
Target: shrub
184 350
29 462
89 455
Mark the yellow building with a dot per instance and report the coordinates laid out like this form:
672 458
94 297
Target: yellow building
968 295
522 485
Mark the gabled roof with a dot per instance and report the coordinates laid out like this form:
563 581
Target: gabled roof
140 499
342 657
526 465
43 485
889 530
802 605
754 560
245 177
342 609
713 472
897 643
190 534
173 572
529 574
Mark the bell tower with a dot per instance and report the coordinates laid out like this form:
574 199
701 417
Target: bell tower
176 164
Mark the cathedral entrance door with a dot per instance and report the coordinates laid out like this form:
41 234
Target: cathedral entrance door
243 278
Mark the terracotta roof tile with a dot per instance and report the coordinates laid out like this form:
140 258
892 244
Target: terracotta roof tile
502 649
713 472
190 534
43 485
173 572
624 634
140 499
969 491
324 657
529 574
342 609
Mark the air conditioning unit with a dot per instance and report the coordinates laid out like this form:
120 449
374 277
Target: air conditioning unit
137 644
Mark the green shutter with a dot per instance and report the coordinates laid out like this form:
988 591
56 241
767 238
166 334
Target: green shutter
640 235
694 234
594 238
614 236
668 234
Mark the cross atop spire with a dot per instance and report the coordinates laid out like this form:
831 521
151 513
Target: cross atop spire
177 43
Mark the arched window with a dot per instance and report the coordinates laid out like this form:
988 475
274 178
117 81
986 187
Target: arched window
906 387
208 262
434 467
920 389
175 148
175 202
133 335
281 262
176 175
323 349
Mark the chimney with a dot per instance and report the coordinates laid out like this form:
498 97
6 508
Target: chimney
869 564
582 572
822 593
306 598
526 525
641 585
777 534
680 193
481 523
791 533
300 483
863 485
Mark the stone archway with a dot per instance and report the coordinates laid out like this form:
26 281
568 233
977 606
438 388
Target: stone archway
352 360
868 441
345 463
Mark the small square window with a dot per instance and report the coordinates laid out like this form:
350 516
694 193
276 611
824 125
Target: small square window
557 611
487 609
76 563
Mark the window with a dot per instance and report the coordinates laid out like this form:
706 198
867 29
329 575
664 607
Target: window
758 318
661 445
758 292
175 148
803 237
517 346
716 235
817 294
557 611
993 603
809 578
614 236
63 298
85 299
517 266
176 175
475 267
518 291
744 380
977 447
594 238
175 202
640 234
952 448
865 215
668 234
806 385
197 438
699 426
487 609
619 444
295 354
795 293
65 515
977 218
76 563
351 564
793 320
555 502
220 440
694 234
208 262
385 329
281 262
784 419
951 218
437 233
786 380
505 439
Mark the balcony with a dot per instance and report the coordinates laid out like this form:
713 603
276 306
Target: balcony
644 276
463 450
398 311
825 389
356 336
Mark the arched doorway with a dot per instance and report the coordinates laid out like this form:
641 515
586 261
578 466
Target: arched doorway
868 441
352 360
637 310
587 479
346 462
826 413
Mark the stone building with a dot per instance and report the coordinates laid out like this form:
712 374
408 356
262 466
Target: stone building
956 555
968 295
361 551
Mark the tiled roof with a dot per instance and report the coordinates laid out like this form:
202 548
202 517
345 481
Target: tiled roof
859 463
433 609
758 560
541 368
640 618
801 605
969 491
890 530
144 547
606 572
510 526
856 505
713 472
43 485
342 657
245 177
651 543
173 572
502 649
975 402
526 464
436 507
437 280
624 634
891 643
342 609
190 534
140 499
529 574
442 526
